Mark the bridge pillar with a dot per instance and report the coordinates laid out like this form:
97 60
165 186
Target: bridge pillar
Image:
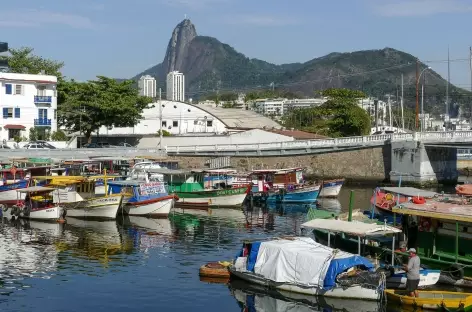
415 163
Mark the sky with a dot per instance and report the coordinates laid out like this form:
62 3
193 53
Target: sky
121 38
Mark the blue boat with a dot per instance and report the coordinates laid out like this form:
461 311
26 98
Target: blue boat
307 194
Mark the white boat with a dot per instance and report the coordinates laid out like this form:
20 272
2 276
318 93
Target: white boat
301 265
37 205
331 188
143 198
428 277
103 207
12 180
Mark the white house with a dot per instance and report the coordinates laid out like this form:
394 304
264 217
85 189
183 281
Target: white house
175 90
27 101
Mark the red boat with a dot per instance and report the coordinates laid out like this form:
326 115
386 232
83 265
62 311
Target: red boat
387 197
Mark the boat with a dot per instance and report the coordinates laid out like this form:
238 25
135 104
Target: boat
464 190
301 265
76 194
372 238
148 199
432 300
385 198
262 181
441 232
12 180
215 270
331 188
190 189
289 187
37 204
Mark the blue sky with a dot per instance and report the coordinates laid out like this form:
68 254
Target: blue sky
121 38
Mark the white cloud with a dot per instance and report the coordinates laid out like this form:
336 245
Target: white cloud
37 18
261 20
420 7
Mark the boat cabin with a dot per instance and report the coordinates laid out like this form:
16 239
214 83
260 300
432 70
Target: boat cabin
37 197
263 180
219 178
139 191
285 178
181 180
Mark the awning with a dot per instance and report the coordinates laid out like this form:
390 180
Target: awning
17 127
351 227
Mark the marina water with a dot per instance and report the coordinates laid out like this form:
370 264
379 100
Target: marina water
140 264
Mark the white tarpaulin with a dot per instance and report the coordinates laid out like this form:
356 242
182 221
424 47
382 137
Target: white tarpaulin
298 261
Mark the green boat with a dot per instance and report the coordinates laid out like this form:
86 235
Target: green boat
189 186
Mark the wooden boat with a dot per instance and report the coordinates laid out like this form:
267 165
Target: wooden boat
143 198
300 265
464 190
432 300
36 205
289 187
331 188
189 187
77 195
215 270
385 198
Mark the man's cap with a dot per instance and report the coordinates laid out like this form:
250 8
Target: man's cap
413 250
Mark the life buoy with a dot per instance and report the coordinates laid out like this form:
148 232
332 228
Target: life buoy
456 271
418 200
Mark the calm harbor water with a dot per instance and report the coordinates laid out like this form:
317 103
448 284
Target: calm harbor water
139 264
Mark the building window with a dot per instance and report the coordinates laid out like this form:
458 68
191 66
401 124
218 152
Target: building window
12 133
42 113
209 123
8 88
17 112
175 123
7 112
41 90
18 89
164 124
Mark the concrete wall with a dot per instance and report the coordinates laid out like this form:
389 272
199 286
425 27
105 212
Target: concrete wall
372 164
416 163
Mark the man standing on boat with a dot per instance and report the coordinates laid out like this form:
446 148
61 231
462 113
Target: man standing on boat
412 273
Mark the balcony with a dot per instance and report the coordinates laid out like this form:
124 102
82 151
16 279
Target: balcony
38 99
44 122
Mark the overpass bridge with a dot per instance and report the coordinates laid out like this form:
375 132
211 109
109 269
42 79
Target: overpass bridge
300 147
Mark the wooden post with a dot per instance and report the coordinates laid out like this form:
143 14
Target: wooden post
351 203
457 241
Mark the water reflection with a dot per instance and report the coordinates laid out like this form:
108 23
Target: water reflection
260 299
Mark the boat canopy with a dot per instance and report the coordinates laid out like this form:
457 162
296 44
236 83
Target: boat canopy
169 171
409 191
35 189
300 260
356 228
436 210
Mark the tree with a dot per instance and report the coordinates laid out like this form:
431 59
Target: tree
59 135
339 116
22 61
87 106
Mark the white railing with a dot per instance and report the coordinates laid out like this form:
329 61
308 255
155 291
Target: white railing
377 139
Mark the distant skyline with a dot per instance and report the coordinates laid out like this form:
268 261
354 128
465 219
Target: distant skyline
120 39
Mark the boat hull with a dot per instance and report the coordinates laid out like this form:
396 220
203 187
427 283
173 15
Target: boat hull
215 198
331 188
157 207
101 208
432 300
302 195
44 214
354 292
427 278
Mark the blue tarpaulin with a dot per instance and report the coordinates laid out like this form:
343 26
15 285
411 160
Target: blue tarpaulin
337 266
252 257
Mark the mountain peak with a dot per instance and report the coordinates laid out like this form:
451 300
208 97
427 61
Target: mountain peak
182 35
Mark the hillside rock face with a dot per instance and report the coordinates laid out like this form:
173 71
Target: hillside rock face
211 65
177 49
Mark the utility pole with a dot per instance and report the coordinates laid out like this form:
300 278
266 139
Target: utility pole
422 105
446 117
160 118
470 65
417 95
401 105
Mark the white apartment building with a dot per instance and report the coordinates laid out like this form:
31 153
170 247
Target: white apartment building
27 101
269 107
147 86
175 90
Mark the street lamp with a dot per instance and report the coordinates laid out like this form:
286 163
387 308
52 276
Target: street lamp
422 96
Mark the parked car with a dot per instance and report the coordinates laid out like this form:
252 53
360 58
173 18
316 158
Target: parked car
91 145
43 143
4 146
36 146
124 144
